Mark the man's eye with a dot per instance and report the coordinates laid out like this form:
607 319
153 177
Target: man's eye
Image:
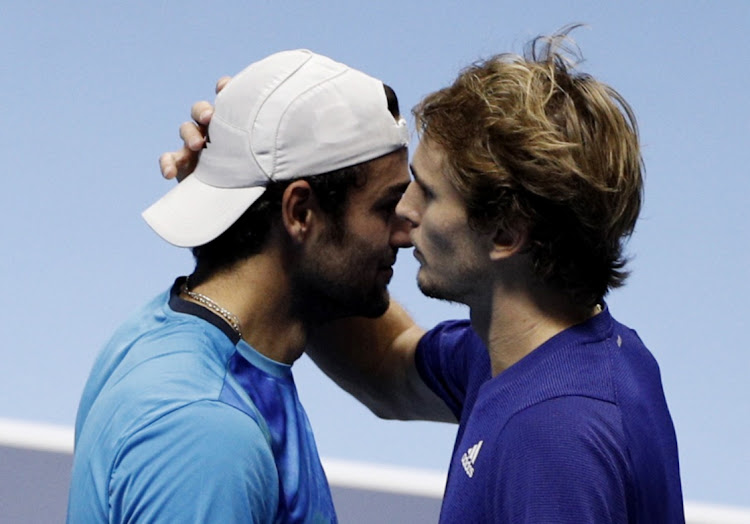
426 193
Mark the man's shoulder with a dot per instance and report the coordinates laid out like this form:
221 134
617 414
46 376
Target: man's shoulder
205 425
155 321
565 417
156 344
452 335
453 347
149 377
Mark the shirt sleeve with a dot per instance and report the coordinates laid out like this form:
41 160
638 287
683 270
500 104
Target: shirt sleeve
453 362
561 461
206 462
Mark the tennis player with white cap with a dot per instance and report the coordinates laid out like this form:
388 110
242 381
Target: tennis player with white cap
190 413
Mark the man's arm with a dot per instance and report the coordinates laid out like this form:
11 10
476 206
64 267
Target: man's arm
374 360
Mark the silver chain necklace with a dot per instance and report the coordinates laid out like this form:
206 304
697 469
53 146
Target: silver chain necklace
227 315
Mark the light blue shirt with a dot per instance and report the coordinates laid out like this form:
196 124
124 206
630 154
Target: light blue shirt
182 421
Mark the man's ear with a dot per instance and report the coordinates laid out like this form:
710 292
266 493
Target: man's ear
298 207
508 242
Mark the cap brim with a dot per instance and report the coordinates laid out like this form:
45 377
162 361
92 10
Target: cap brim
194 213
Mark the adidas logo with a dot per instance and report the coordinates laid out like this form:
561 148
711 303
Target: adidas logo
470 457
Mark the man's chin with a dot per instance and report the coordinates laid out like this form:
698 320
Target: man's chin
378 306
429 289
370 307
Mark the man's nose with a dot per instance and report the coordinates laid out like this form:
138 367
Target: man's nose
405 209
400 232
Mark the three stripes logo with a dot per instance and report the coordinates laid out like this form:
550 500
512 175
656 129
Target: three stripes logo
469 458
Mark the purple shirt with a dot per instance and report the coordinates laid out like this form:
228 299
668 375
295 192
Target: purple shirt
577 431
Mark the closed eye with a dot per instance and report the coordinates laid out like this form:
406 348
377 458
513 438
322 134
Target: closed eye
426 191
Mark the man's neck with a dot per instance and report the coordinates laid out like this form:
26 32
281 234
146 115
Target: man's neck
257 291
513 323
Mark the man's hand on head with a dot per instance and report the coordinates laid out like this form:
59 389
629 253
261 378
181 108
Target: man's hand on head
179 164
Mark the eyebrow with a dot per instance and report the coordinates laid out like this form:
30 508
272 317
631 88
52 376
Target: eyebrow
394 191
421 183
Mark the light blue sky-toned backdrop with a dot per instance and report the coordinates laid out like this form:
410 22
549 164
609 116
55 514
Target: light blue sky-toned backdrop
93 91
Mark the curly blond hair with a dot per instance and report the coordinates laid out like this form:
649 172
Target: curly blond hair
532 143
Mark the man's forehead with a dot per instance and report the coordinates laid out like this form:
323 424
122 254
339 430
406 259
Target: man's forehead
429 161
429 152
387 174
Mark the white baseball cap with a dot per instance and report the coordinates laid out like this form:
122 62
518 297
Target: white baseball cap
290 115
